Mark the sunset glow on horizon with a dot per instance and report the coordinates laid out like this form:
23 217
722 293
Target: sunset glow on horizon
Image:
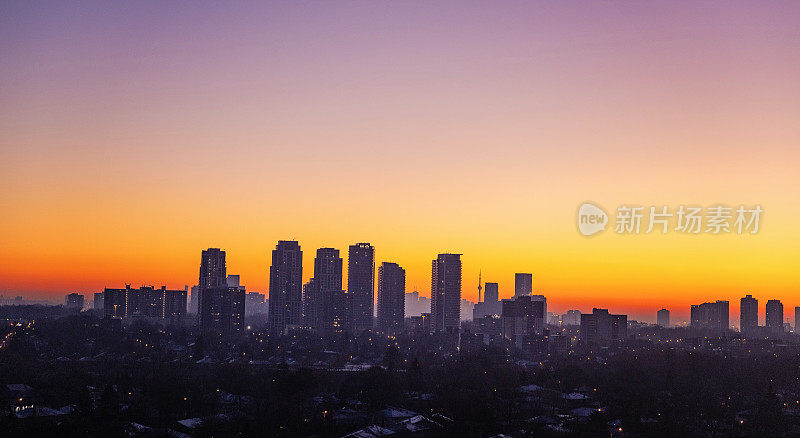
134 136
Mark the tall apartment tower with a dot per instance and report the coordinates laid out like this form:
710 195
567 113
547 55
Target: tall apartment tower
391 298
662 317
361 285
285 287
446 292
220 308
328 304
523 284
748 314
796 319
491 293
774 320
212 269
213 274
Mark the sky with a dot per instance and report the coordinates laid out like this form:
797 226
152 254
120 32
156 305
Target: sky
135 134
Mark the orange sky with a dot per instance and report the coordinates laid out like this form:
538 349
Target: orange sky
133 139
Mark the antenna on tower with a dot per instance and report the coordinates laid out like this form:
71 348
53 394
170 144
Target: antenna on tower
479 285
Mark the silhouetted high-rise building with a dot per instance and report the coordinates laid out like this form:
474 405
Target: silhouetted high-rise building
222 312
98 301
523 284
74 301
446 292
328 303
146 301
662 317
361 285
572 317
194 299
748 314
601 327
417 305
774 319
491 293
522 316
711 315
285 286
212 269
213 274
796 319
490 305
255 304
391 298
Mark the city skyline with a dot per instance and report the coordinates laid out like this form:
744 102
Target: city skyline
213 270
478 130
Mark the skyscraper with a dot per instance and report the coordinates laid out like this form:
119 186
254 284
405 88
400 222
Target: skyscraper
98 301
572 317
361 285
748 314
522 316
774 320
220 310
212 269
796 319
601 327
662 317
490 305
711 315
523 284
212 275
491 293
446 292
285 286
391 298
328 304
74 301
144 301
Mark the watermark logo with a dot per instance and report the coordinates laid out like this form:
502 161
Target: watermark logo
591 219
686 219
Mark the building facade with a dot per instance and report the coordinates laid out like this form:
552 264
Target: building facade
327 304
74 301
146 301
601 327
446 292
774 318
361 285
662 318
748 314
714 316
391 298
523 284
285 287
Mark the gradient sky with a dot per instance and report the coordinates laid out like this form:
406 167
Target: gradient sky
135 134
